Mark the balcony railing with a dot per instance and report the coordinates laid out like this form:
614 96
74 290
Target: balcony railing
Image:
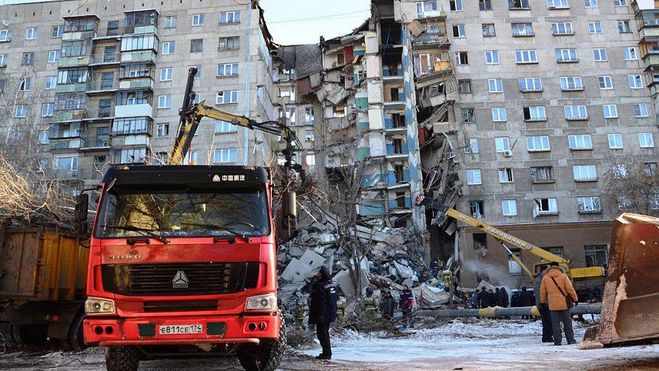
102 86
96 141
141 56
82 60
72 88
65 143
136 83
103 58
80 35
134 110
70 115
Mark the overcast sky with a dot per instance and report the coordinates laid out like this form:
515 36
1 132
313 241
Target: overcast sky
303 21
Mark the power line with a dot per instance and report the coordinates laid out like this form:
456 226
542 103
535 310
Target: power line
329 16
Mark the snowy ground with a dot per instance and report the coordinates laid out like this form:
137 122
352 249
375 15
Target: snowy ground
468 345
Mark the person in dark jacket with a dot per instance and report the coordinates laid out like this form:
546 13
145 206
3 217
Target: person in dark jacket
497 298
387 306
483 300
322 309
547 332
504 297
406 304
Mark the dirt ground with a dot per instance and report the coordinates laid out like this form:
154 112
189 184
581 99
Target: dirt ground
475 345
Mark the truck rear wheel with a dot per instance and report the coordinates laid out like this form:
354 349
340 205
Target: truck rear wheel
76 337
122 358
266 356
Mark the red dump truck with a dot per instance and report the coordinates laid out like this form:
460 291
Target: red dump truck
42 286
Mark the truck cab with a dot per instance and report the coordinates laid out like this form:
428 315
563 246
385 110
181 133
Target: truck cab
182 262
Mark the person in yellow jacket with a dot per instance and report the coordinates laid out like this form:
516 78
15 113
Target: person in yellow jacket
555 289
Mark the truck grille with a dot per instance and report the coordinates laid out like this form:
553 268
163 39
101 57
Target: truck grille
179 278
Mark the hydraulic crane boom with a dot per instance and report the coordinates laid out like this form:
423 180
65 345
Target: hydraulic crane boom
192 113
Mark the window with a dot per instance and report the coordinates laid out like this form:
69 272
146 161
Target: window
537 143
168 47
610 111
53 56
502 144
591 3
509 208
3 60
164 101
473 146
635 81
599 55
227 69
535 113
223 155
427 6
623 27
170 21
530 84
139 42
26 84
542 174
197 19
30 33
641 110
21 111
506 175
526 56
191 158
649 168
308 115
197 46
464 86
229 43
310 159
229 17
615 141
479 239
646 140
571 83
474 176
468 115
476 209
459 31
522 29
578 112
630 54
57 31
566 55
484 4
489 30
545 206
588 205
495 85
584 173
137 125
47 109
162 129
619 171
51 82
499 114
28 59
68 166
558 4
595 27
43 139
605 82
461 58
455 5
579 142
491 57
518 4
166 73
620 2
596 255
224 127
562 28
225 97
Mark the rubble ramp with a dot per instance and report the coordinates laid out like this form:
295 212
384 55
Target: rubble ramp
630 304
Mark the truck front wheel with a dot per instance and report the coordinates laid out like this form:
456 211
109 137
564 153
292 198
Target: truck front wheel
122 358
266 356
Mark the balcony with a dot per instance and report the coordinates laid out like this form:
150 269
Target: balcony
134 110
103 59
136 84
102 113
80 35
397 151
141 56
64 173
139 30
70 115
83 60
65 143
72 88
102 87
651 59
97 142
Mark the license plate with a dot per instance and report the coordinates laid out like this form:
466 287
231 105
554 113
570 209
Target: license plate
180 329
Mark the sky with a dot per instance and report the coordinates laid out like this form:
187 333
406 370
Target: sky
304 21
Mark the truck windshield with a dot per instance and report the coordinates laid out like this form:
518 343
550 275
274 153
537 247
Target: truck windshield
183 213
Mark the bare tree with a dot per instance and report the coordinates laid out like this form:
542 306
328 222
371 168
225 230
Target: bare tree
634 190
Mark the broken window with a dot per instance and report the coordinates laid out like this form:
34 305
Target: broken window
398 146
398 120
468 115
596 255
476 209
536 113
455 5
541 174
479 240
545 206
399 173
484 4
229 43
489 30
464 86
518 4
506 175
522 29
400 199
513 267
590 204
461 58
459 31
556 250
649 168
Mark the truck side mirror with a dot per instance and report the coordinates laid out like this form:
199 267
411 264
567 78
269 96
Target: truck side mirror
289 206
80 214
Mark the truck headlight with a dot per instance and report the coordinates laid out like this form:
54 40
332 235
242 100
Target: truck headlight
99 306
267 302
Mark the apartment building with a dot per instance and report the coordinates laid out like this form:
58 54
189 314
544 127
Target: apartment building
113 76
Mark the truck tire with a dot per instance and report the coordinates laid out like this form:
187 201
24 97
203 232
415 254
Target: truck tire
266 356
121 358
76 337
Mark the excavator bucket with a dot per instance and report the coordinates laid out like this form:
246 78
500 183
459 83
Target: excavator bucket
630 304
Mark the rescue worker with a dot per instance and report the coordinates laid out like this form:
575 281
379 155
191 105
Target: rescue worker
505 300
406 304
555 289
322 309
387 306
547 333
